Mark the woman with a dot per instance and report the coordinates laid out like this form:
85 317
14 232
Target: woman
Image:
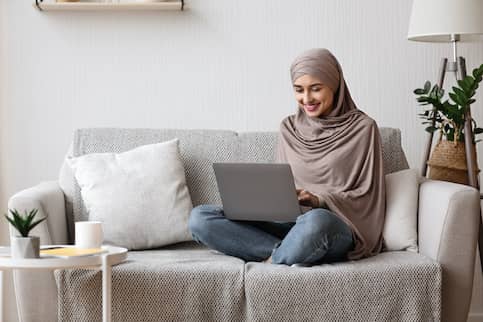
334 151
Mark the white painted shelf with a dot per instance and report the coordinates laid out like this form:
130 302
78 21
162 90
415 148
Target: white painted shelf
108 6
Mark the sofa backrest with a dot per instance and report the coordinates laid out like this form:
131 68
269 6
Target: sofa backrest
199 149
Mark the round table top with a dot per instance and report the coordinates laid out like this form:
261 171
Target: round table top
114 255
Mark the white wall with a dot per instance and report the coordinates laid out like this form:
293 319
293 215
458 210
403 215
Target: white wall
220 64
8 301
3 91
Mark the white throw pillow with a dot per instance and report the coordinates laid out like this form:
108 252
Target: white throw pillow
400 226
140 195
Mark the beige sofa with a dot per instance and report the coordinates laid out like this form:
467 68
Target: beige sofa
187 282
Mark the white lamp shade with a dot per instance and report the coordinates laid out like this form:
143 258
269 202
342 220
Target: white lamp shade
437 20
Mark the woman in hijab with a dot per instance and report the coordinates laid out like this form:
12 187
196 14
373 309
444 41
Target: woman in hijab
334 150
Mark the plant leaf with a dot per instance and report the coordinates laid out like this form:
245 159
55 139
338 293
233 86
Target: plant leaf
10 220
422 99
441 93
427 87
28 218
17 217
455 98
419 91
464 85
469 81
475 72
460 93
35 223
23 223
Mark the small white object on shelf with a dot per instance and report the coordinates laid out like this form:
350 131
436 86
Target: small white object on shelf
109 6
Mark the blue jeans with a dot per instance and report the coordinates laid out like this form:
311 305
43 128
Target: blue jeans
318 236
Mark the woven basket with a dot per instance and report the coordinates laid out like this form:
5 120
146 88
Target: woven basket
448 162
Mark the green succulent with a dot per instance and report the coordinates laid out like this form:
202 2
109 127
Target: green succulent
449 115
24 223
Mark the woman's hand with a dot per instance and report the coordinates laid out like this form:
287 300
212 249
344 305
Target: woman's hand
307 199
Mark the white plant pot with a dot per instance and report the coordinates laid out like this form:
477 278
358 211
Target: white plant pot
25 247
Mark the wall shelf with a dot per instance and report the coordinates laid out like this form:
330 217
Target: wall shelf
108 6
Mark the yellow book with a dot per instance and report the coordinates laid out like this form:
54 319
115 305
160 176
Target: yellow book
71 251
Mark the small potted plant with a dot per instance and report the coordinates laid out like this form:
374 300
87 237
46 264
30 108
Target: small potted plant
448 158
24 246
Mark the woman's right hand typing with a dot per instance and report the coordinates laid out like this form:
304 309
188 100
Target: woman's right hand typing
307 199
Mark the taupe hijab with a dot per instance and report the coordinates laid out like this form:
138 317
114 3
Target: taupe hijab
337 157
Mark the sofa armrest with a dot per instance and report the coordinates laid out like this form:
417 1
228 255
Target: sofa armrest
448 232
48 198
36 291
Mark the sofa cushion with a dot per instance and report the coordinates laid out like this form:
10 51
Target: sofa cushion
188 282
392 286
181 282
199 149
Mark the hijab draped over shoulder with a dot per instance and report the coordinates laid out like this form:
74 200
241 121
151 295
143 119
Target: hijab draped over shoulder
337 157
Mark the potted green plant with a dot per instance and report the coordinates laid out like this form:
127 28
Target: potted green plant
448 159
24 246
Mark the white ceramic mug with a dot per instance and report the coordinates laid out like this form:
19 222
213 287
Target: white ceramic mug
88 234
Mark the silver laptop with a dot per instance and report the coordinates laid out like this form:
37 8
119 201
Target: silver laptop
257 191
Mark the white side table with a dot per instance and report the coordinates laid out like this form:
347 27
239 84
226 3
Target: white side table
104 261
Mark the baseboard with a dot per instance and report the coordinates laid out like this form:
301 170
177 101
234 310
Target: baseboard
475 317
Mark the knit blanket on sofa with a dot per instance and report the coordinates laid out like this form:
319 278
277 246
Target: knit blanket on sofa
188 282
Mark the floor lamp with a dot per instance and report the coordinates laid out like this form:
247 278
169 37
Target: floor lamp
450 21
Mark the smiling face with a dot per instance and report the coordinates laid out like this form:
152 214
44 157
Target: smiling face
313 96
